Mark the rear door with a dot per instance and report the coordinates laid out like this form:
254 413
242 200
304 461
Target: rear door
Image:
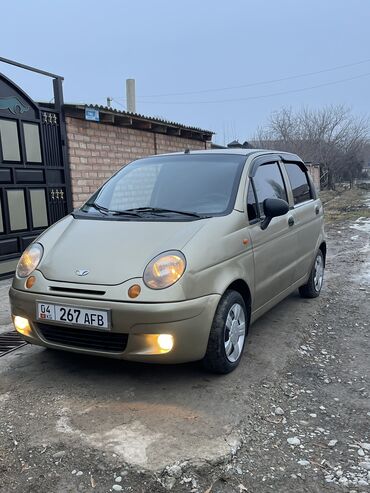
275 248
307 214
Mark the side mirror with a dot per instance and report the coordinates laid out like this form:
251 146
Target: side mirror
273 208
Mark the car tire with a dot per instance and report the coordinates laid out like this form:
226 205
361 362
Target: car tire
228 333
314 284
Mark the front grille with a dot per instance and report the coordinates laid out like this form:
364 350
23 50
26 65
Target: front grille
82 338
77 291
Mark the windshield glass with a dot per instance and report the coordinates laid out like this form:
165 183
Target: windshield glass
202 184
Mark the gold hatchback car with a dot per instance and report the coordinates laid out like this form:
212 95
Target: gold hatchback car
173 258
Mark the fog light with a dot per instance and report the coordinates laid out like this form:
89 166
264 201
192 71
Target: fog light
22 325
165 342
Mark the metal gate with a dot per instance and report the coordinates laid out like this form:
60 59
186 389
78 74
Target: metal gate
35 186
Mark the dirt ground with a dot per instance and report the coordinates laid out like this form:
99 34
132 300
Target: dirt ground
294 416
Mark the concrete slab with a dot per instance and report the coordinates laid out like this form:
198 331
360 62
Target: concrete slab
148 416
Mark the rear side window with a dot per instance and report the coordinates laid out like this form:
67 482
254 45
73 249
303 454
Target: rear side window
269 184
299 183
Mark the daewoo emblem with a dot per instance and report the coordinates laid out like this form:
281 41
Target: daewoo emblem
82 272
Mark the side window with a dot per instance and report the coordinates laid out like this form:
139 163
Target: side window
269 184
299 183
251 204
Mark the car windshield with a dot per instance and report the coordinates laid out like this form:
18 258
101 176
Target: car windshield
201 184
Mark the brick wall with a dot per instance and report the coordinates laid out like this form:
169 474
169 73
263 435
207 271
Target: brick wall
97 150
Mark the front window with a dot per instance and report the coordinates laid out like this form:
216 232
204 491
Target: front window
269 184
203 184
252 207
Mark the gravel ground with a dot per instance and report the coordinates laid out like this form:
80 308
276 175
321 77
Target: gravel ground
294 417
310 428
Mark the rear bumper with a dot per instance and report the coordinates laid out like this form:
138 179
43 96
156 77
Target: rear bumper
189 322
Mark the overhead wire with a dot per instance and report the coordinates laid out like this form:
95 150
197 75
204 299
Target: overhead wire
115 100
260 83
262 96
254 84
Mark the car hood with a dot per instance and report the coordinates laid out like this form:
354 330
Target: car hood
112 251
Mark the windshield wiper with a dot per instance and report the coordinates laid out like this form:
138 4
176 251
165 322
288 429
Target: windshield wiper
160 210
137 211
106 211
99 208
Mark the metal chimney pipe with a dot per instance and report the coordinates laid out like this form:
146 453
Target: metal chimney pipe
130 95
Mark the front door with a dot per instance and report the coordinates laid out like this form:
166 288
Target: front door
34 180
275 248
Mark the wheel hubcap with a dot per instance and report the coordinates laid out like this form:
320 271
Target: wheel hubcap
319 273
234 332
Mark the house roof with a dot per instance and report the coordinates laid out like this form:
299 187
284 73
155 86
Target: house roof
136 120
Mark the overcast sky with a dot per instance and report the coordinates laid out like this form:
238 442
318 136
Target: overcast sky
197 47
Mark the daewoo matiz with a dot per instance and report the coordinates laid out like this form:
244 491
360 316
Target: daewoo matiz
173 258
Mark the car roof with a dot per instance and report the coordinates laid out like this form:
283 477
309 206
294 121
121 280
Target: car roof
286 156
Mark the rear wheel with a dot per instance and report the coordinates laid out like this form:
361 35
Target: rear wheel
314 284
228 333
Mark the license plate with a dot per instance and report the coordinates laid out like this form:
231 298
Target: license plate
72 315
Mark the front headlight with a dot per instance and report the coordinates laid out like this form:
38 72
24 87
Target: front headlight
29 260
164 270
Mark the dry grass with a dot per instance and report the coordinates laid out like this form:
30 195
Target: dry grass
345 205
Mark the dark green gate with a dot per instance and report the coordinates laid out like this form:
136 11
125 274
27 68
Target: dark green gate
35 186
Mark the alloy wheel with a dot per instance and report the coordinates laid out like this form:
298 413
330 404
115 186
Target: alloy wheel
234 332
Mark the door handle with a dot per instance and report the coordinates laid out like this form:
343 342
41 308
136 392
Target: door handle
317 209
291 221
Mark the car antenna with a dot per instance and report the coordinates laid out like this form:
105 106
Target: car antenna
187 151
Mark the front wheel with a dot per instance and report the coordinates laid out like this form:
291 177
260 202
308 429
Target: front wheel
314 284
228 333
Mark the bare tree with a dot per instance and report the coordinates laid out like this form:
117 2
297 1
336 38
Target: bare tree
330 136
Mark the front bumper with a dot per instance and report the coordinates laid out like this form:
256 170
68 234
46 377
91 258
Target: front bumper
189 322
